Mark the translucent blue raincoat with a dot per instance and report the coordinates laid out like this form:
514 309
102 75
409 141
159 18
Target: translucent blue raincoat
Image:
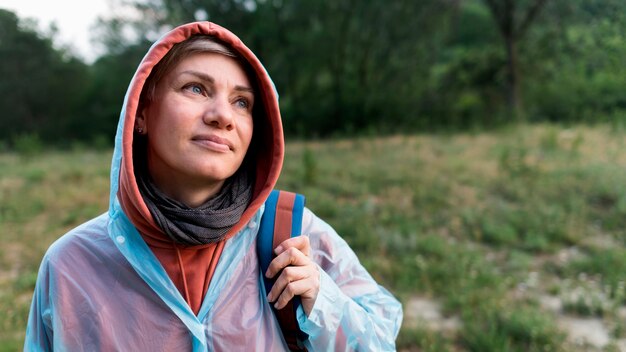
101 288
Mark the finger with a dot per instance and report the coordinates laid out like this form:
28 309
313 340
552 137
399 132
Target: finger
288 275
294 288
300 242
291 256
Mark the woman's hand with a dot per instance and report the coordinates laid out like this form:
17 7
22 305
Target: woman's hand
299 277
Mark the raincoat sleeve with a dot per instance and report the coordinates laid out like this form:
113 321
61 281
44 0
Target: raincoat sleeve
351 312
39 331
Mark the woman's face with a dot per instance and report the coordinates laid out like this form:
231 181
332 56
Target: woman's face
199 125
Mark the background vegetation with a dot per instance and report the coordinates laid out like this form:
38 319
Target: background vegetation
470 151
343 67
510 240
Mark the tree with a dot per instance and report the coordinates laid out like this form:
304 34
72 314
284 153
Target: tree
40 86
513 22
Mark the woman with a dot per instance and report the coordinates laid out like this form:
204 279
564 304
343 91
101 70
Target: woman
173 266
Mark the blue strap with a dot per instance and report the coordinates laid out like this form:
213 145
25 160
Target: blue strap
298 212
265 252
265 237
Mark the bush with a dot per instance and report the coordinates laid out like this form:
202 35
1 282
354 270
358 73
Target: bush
28 145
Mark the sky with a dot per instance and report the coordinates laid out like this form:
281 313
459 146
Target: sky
72 17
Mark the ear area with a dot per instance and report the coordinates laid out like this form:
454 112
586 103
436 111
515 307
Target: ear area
141 126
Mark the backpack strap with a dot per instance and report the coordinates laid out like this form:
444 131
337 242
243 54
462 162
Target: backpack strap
281 220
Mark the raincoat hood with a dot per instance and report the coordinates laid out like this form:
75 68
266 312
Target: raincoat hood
268 133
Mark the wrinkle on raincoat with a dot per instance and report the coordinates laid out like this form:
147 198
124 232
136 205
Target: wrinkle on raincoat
101 288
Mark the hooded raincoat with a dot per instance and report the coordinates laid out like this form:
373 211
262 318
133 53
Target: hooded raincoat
106 286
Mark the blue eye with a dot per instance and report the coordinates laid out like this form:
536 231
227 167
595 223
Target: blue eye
196 89
242 103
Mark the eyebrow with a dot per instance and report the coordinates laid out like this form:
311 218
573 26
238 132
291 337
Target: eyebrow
203 76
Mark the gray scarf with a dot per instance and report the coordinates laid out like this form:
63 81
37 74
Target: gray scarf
205 224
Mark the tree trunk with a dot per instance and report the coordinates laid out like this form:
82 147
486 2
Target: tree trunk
512 25
512 78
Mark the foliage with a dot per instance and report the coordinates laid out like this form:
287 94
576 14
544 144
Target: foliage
41 86
28 145
387 67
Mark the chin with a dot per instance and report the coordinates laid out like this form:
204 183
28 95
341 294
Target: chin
213 169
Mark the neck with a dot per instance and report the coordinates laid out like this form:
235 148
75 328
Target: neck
192 195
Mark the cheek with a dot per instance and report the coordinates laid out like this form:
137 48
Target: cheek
154 118
247 131
163 132
168 115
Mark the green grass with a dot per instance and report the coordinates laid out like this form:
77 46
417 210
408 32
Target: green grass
485 224
42 196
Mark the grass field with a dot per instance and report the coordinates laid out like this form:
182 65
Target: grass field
512 240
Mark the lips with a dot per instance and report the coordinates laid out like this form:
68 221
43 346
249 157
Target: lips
213 142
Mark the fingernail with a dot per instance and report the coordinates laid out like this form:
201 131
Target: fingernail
278 249
269 298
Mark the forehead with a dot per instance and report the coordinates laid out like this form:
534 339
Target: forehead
218 67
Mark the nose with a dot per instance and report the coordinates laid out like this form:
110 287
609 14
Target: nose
218 113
